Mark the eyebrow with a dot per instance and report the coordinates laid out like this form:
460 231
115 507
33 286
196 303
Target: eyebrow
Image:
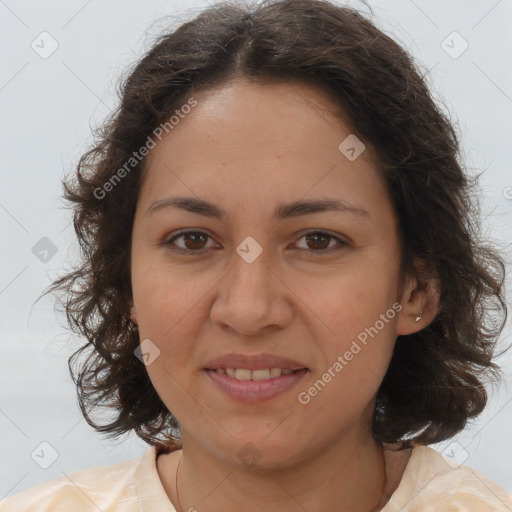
284 211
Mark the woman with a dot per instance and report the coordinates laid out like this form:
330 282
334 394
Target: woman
282 290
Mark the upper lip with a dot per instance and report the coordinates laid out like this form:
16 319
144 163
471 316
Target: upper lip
252 362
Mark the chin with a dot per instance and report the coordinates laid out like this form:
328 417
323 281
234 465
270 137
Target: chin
260 451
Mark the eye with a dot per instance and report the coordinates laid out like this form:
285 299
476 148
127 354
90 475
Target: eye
194 241
318 238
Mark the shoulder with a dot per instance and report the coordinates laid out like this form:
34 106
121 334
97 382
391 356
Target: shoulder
92 489
432 482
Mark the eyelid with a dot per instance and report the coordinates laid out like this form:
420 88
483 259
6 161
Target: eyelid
310 231
168 242
338 238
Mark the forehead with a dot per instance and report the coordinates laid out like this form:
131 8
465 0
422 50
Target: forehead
246 142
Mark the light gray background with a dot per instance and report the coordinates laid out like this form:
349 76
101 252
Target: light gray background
48 107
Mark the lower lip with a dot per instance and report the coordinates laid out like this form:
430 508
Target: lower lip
255 390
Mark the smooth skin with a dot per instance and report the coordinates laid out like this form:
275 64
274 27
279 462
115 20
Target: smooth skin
248 148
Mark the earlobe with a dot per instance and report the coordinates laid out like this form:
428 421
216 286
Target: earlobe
420 304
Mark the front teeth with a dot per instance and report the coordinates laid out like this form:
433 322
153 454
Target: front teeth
245 374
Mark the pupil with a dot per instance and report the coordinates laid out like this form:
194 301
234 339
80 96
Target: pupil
194 237
316 237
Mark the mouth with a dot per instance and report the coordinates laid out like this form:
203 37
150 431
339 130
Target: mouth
259 374
246 385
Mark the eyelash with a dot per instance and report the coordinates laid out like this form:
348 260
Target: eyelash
169 243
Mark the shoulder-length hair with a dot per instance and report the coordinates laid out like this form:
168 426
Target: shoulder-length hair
435 381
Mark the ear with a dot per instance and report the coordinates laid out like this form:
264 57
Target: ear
419 300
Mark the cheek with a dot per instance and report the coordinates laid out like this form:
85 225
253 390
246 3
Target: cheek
355 332
170 312
350 301
162 294
341 390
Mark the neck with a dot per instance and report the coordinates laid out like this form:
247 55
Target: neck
346 476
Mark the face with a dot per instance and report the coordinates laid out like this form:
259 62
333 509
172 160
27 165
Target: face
304 285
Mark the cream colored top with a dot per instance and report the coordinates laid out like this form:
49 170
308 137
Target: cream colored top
430 483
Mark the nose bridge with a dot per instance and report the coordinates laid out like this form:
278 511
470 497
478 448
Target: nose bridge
252 255
251 276
248 298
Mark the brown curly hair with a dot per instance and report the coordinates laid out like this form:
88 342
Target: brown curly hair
435 381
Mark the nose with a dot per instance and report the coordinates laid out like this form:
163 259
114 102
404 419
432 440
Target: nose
252 298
